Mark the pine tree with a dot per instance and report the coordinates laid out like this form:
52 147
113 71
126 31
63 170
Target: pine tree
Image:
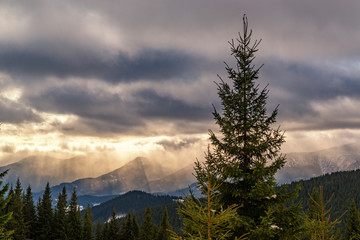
74 219
15 206
60 217
135 227
165 227
5 217
99 230
147 231
29 214
246 154
44 223
114 228
88 225
353 223
126 227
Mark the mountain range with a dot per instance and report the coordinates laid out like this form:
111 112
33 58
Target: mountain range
93 177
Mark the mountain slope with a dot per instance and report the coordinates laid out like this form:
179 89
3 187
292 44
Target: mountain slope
130 201
38 170
134 175
307 165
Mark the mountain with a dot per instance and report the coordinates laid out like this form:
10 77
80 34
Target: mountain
139 174
38 170
135 175
307 165
177 180
130 201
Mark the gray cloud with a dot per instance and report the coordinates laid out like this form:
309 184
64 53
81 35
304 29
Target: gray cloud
13 112
153 65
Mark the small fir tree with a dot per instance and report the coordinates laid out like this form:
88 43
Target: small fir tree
205 218
99 230
317 221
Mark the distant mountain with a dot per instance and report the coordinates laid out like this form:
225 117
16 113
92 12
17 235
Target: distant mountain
307 165
177 180
37 171
130 201
139 174
135 175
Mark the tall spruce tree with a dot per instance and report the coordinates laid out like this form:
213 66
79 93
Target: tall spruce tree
60 221
4 215
245 155
15 206
29 214
148 229
88 225
74 219
165 227
99 230
113 228
44 223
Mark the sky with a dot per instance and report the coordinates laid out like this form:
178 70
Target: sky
136 78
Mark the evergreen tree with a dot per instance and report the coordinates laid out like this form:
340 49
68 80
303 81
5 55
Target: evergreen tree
353 223
60 230
5 216
74 219
126 227
205 218
246 155
88 225
114 228
15 206
135 227
106 231
148 231
44 221
99 230
29 214
165 228
317 222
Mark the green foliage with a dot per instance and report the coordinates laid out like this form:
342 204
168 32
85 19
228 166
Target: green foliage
246 154
88 225
29 214
5 217
148 229
165 227
317 221
74 219
15 205
60 218
113 227
44 223
353 223
99 230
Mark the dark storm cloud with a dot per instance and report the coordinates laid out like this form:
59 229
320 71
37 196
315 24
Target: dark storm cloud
151 105
178 145
149 64
13 112
104 111
297 87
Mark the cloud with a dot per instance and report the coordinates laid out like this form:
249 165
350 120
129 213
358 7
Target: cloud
149 64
